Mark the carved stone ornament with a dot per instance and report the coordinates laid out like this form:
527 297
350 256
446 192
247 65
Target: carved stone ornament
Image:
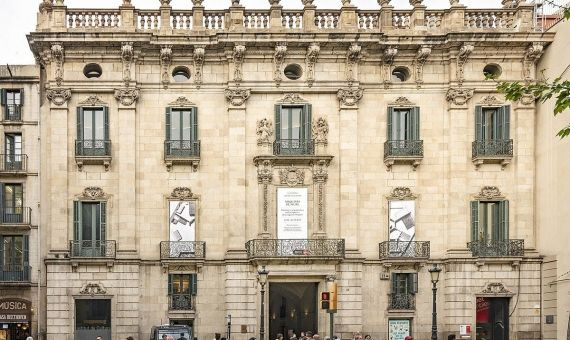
181 102
454 2
265 172
274 2
462 56
183 193
321 130
350 96
402 101
127 58
353 56
421 57
416 2
264 131
165 2
320 173
496 288
278 59
92 101
165 61
402 193
57 54
459 96
127 96
528 99
388 59
197 2
237 97
46 5
292 98
491 101
312 55
93 289
93 193
238 56
383 3
292 176
199 54
58 96
531 57
510 3
489 193
307 2
346 2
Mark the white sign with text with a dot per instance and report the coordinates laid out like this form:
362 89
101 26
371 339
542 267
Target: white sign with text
292 213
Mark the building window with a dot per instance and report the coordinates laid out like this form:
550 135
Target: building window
490 221
293 130
12 101
403 133
13 151
14 258
182 132
89 224
93 132
404 288
492 136
181 290
12 203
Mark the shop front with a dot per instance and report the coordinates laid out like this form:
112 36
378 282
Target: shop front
15 319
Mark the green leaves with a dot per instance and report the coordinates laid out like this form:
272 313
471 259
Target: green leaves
567 13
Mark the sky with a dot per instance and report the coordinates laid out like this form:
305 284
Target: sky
18 17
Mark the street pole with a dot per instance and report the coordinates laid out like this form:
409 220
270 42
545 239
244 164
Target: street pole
229 326
262 321
434 314
332 324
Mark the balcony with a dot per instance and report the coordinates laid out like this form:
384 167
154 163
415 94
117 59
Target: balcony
398 250
182 152
294 147
92 249
403 152
93 152
401 302
493 248
12 114
302 249
13 164
183 250
181 302
14 273
492 151
16 217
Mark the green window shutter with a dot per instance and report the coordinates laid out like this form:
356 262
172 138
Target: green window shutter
22 97
168 122
478 122
106 121
2 207
76 220
79 123
26 250
194 120
170 289
103 219
496 217
308 118
1 250
394 283
503 221
415 283
278 122
194 283
506 122
474 221
389 125
3 99
415 123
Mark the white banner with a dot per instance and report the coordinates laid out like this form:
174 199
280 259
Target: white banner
398 329
182 221
292 213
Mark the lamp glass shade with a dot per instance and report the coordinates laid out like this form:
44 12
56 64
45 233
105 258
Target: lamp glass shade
434 272
263 273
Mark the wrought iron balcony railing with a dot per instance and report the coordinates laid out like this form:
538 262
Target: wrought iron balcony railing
93 249
92 148
402 301
13 163
181 302
15 273
494 248
13 113
303 248
404 250
294 147
404 148
498 148
181 148
15 215
182 250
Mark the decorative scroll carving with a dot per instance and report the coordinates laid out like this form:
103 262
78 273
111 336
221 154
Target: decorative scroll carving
388 60
421 57
183 194
402 101
454 2
510 3
199 54
307 2
278 59
265 177
58 96
459 96
402 193
197 2
46 6
292 176
127 96
383 3
489 193
462 56
92 101
312 55
353 56
346 3
527 99
93 193
264 131
165 2
292 98
531 56
57 54
321 130
165 61
265 172
127 58
350 96
237 97
491 101
93 289
238 56
181 102
496 288
320 177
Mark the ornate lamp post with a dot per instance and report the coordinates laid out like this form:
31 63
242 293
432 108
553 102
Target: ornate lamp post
434 272
262 278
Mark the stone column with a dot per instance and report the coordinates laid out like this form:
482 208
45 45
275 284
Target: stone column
348 161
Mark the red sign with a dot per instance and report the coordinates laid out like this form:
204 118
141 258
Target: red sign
483 305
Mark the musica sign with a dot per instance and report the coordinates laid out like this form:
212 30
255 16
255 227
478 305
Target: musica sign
15 311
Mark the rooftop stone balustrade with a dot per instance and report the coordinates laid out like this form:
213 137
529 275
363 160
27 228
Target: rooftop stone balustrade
515 16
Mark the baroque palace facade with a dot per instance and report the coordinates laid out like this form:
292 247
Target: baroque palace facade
184 149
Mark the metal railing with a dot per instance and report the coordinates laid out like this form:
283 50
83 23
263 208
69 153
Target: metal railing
404 148
92 249
15 273
13 163
402 301
15 215
403 249
181 302
303 248
182 250
495 248
548 13
492 148
13 112
294 147
92 148
181 148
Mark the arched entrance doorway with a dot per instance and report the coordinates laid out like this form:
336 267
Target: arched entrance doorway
292 308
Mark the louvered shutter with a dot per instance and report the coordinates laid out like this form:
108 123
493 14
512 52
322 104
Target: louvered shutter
194 122
170 289
2 203
1 252
308 118
26 250
22 97
103 219
503 233
474 221
415 123
79 123
3 99
194 283
168 115
506 122
394 288
389 125
106 122
413 283
76 220
478 123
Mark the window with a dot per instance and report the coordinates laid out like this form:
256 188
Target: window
182 132
12 203
181 74
14 258
89 224
400 74
13 151
492 123
489 221
404 286
181 288
293 71
293 129
92 71
403 123
93 132
12 101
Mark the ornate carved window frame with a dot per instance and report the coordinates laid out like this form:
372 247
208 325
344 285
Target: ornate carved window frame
94 102
181 102
489 194
495 289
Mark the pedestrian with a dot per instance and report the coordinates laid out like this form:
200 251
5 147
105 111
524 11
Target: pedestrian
316 337
408 338
130 338
164 337
99 337
217 336
357 336
367 337
182 337
451 337
279 336
28 337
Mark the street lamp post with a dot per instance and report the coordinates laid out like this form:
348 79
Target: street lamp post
434 272
262 278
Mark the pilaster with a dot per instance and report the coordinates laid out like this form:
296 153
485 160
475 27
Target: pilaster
128 17
309 17
348 17
386 17
165 19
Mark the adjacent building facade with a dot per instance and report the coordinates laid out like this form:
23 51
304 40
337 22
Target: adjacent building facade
184 149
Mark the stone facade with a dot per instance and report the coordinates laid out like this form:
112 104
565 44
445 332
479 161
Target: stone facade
235 60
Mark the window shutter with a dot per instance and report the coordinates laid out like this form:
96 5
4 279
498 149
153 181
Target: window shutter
1 251
413 283
168 115
496 226
194 283
79 123
390 117
474 221
308 116
76 220
22 97
194 120
2 207
3 99
394 283
478 122
503 220
170 292
103 219
278 122
415 123
26 250
506 122
106 121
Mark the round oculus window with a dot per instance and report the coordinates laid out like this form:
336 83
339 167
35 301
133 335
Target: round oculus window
92 71
400 74
293 71
181 74
492 71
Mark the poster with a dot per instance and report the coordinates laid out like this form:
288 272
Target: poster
292 213
398 329
402 227
182 221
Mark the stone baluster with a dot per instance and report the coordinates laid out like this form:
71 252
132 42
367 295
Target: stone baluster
418 19
455 20
525 17
348 16
275 14
386 14
309 12
165 11
198 14
235 20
